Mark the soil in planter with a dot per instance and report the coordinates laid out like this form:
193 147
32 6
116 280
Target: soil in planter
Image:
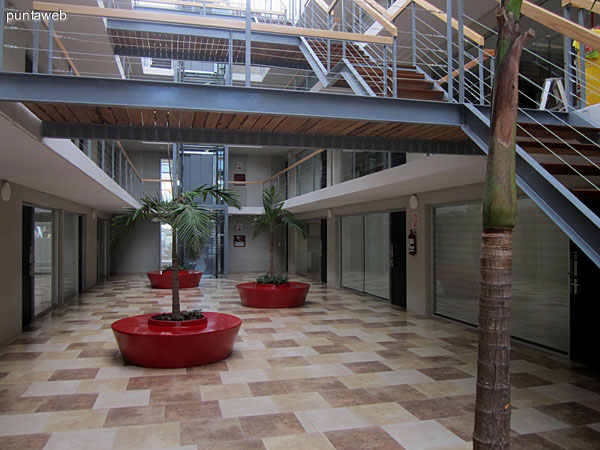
183 315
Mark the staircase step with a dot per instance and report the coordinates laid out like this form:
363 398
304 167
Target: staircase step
378 72
564 169
420 94
562 131
586 194
531 145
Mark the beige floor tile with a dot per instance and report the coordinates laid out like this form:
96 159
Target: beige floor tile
100 439
530 420
119 399
382 413
422 435
246 364
157 436
43 388
120 372
16 424
224 391
243 376
315 441
334 419
527 398
107 385
299 402
75 420
253 406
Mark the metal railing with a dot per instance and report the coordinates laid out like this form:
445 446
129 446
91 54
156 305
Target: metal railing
114 161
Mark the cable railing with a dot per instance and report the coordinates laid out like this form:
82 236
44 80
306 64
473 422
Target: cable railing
110 156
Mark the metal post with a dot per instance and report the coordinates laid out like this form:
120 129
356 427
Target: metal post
36 46
461 53
126 175
567 61
112 160
312 13
395 68
481 84
449 49
50 42
120 168
354 17
230 56
492 69
343 27
2 15
175 169
89 149
385 70
247 66
102 149
581 59
414 34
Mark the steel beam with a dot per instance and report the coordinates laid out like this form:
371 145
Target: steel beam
185 30
26 87
229 137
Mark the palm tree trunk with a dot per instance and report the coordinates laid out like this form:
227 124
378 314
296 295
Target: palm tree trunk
492 403
175 284
271 259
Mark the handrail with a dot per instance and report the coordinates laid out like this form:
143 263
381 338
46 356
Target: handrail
321 3
401 8
384 21
560 24
332 6
589 5
287 169
216 4
487 53
212 22
62 49
475 37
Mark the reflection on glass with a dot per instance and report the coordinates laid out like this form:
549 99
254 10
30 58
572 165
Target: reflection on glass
43 232
211 262
308 250
377 261
71 255
353 255
540 296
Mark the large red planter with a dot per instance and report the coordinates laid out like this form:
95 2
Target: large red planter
163 279
167 344
288 295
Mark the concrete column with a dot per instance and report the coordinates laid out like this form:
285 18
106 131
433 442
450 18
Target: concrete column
334 165
418 273
291 251
60 257
333 250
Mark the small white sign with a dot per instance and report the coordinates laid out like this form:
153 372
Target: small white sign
239 165
415 220
239 227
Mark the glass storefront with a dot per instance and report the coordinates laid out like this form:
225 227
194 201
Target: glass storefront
365 253
540 295
71 255
44 270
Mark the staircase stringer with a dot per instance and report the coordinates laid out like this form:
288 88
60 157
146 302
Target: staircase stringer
575 219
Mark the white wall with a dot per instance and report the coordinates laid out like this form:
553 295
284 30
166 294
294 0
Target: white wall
11 250
255 256
256 168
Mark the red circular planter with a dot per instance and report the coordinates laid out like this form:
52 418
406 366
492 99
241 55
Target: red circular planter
163 279
169 344
288 295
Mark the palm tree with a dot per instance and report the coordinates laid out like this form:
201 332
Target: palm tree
274 217
190 224
492 404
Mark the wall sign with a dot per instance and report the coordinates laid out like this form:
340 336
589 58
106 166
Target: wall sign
415 220
239 240
239 227
239 177
239 165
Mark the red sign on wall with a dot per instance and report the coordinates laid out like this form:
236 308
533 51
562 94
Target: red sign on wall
239 177
239 240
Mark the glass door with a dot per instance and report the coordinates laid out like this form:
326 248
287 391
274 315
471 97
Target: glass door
43 257
71 255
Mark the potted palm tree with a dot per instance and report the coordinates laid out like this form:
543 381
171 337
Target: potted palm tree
273 290
177 338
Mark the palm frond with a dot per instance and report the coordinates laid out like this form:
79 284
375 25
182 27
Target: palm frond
194 226
289 219
229 197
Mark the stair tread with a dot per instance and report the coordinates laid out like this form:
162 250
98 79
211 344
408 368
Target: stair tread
556 143
569 169
586 193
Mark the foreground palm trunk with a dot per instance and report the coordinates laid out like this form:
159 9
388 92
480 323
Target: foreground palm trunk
492 409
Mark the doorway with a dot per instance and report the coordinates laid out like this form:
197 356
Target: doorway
398 258
584 305
38 263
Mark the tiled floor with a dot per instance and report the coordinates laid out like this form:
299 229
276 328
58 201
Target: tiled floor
343 372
